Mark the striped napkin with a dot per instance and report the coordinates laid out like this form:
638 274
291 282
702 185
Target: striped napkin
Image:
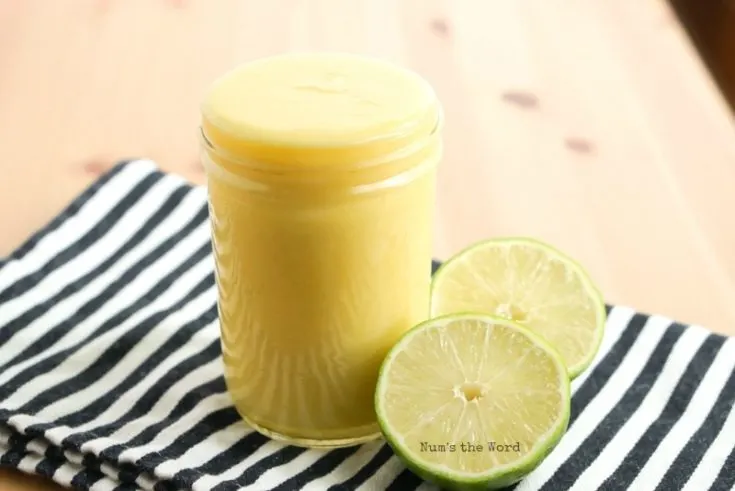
111 375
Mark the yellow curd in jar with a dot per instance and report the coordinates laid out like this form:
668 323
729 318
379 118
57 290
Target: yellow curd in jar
321 175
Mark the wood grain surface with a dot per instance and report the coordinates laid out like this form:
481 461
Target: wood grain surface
590 124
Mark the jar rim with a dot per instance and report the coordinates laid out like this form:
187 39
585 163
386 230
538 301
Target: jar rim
346 157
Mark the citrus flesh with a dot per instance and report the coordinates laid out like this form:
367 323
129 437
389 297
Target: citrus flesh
532 284
472 401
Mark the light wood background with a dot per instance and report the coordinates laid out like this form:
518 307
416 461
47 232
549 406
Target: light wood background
590 124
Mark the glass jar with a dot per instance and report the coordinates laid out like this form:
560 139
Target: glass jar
321 173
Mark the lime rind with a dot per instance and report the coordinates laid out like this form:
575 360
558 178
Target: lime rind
551 251
500 476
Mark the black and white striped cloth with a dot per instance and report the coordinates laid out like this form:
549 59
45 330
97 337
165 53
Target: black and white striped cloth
111 377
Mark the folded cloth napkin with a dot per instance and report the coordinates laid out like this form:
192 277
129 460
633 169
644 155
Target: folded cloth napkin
111 375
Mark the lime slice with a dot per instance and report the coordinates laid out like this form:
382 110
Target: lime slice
531 283
471 401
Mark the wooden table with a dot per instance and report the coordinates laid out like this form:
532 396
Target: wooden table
590 124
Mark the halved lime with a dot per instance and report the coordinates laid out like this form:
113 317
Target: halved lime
531 283
472 401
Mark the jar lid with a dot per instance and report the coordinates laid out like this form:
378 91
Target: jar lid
317 109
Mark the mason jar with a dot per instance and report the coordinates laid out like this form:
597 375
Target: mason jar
321 172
